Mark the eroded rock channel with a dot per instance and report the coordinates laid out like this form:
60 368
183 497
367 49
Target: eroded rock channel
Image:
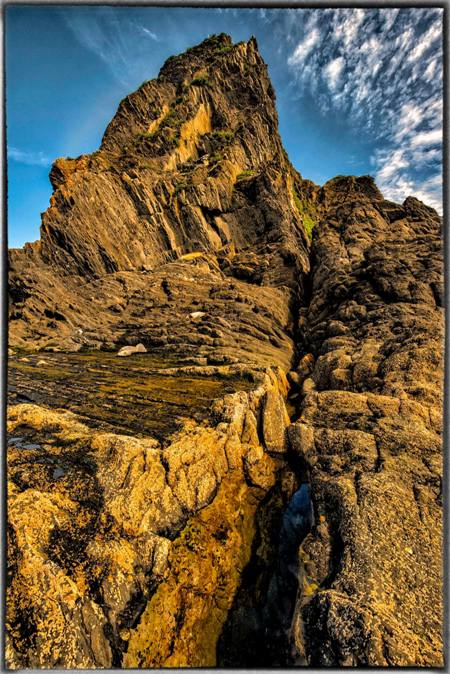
262 486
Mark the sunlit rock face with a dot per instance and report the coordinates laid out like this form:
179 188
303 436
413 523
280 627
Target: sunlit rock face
266 459
370 430
133 541
190 205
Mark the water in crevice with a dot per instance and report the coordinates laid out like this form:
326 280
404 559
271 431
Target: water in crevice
257 630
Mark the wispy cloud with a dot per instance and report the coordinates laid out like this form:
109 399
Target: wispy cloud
150 33
380 70
113 36
400 185
31 158
304 48
427 138
334 70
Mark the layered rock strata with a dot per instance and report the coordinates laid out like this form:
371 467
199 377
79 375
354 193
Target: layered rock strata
183 230
149 525
181 233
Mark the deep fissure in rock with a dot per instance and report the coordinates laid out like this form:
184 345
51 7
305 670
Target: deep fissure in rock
257 632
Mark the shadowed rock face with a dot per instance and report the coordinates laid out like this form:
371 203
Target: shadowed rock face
151 510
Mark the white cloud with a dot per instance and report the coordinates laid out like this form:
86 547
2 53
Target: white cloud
30 158
347 25
410 117
430 192
430 70
371 46
426 41
427 138
333 71
390 164
150 33
303 48
395 176
390 17
425 155
398 187
380 70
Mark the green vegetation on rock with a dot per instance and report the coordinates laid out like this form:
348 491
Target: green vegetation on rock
216 158
245 174
306 211
224 50
201 81
145 135
223 135
179 187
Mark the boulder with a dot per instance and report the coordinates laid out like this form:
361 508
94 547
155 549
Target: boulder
130 350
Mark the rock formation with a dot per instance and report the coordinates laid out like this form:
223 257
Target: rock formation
260 482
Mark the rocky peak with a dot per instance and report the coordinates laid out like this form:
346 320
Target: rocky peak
222 80
347 188
417 210
191 161
177 67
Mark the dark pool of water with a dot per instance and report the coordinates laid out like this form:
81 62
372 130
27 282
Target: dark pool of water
297 523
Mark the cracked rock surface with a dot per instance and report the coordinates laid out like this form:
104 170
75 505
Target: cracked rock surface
290 343
370 431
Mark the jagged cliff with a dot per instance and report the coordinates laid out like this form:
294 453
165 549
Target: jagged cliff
150 526
192 164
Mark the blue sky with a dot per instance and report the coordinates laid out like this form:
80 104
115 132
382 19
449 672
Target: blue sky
358 90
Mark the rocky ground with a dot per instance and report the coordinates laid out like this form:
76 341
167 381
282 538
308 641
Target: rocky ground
262 486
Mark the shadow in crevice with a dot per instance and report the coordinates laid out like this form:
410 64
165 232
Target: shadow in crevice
257 630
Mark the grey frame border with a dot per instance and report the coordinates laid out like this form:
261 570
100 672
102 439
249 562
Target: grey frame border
249 4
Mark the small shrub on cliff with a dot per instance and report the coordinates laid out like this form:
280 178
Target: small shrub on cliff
308 224
223 136
179 187
245 174
173 139
201 82
170 119
297 201
224 50
216 157
145 135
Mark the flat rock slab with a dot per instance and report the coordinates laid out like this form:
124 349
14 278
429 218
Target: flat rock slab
133 396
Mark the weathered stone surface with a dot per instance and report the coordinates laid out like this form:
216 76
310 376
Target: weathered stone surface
275 421
98 520
368 435
194 247
153 524
193 239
